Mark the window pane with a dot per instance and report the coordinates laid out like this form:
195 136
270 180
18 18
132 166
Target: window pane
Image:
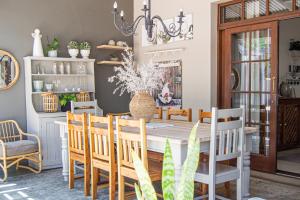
278 6
261 44
241 99
255 8
231 13
240 46
240 77
261 76
298 4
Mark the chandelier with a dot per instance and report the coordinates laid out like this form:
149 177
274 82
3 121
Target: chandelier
128 29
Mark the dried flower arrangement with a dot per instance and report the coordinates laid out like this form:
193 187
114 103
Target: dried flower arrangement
131 78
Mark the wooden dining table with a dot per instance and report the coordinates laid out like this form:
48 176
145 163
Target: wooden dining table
178 133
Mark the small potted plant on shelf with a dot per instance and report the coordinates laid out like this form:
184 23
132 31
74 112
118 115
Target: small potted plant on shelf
65 101
73 49
52 48
85 49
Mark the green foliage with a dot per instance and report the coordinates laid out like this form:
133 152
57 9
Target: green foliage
85 46
144 178
73 45
186 187
65 98
54 45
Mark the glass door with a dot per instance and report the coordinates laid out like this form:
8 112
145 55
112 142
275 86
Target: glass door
251 80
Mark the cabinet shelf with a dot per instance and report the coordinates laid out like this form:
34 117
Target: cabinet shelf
106 62
61 92
111 47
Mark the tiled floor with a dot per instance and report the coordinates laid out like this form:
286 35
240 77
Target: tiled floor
49 185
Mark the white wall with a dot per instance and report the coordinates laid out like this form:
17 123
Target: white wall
288 29
200 54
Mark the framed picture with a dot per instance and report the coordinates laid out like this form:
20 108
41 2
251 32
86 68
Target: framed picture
171 93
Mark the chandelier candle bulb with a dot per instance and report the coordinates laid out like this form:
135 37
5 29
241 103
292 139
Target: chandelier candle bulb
115 5
122 14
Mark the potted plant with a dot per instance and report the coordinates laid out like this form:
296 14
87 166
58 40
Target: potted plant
140 81
52 48
185 189
73 49
85 49
65 101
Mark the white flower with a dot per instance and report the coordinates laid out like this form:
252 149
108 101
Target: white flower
145 77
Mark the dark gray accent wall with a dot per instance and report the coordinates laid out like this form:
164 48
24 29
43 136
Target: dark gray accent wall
89 20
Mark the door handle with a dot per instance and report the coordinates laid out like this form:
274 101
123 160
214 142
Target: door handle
273 84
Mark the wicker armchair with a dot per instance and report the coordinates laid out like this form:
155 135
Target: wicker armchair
14 147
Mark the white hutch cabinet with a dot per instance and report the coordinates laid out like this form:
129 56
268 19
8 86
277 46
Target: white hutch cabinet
77 75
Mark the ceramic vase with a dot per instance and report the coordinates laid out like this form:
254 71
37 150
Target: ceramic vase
37 44
73 53
85 53
52 53
38 85
142 105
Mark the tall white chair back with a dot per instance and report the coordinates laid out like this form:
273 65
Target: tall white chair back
227 143
90 107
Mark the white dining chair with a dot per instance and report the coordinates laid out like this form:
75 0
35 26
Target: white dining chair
89 107
227 142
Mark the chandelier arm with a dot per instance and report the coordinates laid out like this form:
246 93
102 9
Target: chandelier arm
175 33
122 26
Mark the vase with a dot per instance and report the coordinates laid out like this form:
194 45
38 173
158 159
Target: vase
142 105
37 44
85 53
52 53
73 53
38 85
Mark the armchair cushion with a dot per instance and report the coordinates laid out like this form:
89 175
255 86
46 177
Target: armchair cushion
20 147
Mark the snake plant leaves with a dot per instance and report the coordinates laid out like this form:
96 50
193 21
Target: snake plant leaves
138 192
168 174
144 179
186 186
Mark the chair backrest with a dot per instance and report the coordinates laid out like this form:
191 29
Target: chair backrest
84 107
227 137
158 113
10 131
78 133
131 136
203 116
102 139
186 113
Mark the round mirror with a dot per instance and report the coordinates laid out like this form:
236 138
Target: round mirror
9 70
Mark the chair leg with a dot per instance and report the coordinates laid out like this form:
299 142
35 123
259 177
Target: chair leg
227 189
212 191
4 168
71 173
87 179
121 187
112 185
204 189
95 179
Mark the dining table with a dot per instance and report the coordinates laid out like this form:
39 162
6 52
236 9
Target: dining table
177 132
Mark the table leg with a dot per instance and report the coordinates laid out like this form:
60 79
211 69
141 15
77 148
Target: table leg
64 151
246 175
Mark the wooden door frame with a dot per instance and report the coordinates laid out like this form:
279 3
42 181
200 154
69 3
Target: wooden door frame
259 162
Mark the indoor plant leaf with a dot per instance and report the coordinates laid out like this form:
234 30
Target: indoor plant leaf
168 179
186 186
144 178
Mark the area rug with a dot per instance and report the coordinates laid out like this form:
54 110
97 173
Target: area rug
49 185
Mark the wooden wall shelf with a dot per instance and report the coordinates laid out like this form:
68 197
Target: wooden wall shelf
110 47
106 62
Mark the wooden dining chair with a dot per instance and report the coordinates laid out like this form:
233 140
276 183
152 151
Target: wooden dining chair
158 113
227 143
102 152
78 147
186 113
129 140
205 117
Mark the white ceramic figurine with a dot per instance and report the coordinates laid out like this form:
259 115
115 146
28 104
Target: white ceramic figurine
37 44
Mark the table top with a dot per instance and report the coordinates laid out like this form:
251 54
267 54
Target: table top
178 131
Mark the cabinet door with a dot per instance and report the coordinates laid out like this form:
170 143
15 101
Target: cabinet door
290 126
51 143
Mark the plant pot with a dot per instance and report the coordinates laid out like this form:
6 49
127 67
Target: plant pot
142 105
38 85
73 53
52 53
85 53
66 108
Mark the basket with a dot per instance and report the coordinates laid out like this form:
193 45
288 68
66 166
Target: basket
50 102
83 96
